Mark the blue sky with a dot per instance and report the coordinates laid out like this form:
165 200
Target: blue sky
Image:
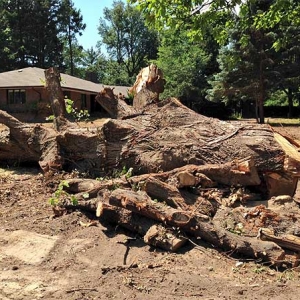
91 11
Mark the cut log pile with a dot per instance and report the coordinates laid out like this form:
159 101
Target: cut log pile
188 176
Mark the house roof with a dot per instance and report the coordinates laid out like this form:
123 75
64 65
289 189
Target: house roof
35 77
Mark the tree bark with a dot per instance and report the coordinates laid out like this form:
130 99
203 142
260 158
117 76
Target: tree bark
184 164
114 104
56 99
289 241
29 143
167 136
196 224
147 87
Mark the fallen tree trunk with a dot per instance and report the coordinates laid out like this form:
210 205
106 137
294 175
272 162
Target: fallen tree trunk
114 104
194 163
167 136
195 224
29 143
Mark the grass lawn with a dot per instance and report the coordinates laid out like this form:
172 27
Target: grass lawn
282 121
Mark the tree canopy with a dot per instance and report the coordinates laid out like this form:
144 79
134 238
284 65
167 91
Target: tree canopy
34 32
70 24
127 39
186 65
200 13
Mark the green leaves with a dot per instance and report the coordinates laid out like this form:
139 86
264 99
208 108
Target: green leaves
183 63
33 34
129 43
60 195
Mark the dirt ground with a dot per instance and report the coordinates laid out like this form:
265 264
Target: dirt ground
42 257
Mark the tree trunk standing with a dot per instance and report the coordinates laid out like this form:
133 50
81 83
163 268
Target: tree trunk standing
261 96
70 48
56 98
261 109
147 87
290 102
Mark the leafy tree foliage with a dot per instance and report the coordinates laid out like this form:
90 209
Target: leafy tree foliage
72 63
183 63
5 56
197 14
91 62
251 69
128 41
201 13
111 72
247 61
71 23
287 63
34 33
31 34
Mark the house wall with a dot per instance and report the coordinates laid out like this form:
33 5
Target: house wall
76 97
37 102
33 97
3 99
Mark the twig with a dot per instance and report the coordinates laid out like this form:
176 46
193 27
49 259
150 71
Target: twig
81 289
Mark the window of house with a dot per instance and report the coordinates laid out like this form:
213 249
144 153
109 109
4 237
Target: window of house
16 96
83 101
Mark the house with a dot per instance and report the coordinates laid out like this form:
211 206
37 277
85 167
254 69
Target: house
23 91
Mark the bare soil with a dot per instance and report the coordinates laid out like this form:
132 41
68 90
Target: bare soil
43 257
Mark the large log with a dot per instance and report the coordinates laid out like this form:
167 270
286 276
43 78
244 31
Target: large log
196 224
166 136
29 143
187 154
114 104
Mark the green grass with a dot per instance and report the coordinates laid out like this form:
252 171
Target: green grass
282 121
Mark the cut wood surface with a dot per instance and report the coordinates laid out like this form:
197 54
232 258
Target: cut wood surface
159 236
147 87
196 224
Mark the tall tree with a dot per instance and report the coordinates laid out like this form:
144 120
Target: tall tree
250 66
45 47
184 63
92 61
72 63
5 55
31 33
112 73
127 39
287 63
71 24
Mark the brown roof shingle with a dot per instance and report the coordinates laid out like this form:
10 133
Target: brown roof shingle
35 77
